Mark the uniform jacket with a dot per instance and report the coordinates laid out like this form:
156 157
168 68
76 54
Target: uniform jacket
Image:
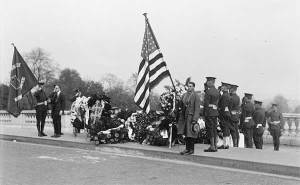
189 113
224 106
211 100
275 116
234 107
259 117
247 112
40 97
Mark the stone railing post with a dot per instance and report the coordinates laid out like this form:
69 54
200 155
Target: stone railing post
286 127
293 127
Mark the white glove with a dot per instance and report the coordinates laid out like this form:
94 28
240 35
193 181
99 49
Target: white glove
259 125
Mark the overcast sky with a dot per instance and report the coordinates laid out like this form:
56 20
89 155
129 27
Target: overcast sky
252 43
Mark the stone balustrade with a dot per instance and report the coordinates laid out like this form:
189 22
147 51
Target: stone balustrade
291 125
290 135
27 119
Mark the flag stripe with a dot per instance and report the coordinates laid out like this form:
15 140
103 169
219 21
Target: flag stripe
159 79
154 59
143 93
160 66
144 79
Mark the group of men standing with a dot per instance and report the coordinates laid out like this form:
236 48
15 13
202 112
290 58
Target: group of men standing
223 106
57 101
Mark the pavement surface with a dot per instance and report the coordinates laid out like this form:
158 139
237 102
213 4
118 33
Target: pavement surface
35 164
283 162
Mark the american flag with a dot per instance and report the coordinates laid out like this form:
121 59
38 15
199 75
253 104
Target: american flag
152 69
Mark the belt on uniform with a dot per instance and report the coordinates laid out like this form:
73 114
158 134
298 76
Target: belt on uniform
247 119
226 109
275 122
234 112
213 106
41 103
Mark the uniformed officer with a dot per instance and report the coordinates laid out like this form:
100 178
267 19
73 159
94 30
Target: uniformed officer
41 108
224 115
234 108
275 121
211 113
259 124
247 122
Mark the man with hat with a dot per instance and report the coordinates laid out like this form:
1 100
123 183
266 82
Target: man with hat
259 124
247 122
188 118
234 108
224 115
211 100
275 121
41 108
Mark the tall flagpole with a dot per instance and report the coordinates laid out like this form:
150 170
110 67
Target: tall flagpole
170 125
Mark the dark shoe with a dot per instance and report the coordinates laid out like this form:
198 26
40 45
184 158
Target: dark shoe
40 135
210 150
221 147
55 135
184 152
189 152
43 134
61 133
226 147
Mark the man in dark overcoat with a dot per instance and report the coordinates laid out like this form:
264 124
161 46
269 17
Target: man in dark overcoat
188 118
57 99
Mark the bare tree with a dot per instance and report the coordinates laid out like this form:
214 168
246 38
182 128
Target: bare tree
110 81
131 83
41 65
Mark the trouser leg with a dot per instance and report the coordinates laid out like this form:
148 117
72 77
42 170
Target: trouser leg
43 121
38 123
59 124
192 144
276 141
187 143
236 133
258 140
250 141
54 117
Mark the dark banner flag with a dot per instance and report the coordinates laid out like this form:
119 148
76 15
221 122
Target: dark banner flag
22 81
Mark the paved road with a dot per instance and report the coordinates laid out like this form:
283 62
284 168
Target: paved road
30 164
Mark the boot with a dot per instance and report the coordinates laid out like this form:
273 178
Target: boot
187 146
39 130
235 142
212 146
42 129
191 147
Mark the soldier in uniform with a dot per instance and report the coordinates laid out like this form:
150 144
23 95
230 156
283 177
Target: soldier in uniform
211 113
41 108
247 122
259 124
275 121
224 115
234 107
189 117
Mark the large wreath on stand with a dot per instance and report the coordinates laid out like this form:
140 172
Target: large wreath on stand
79 109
